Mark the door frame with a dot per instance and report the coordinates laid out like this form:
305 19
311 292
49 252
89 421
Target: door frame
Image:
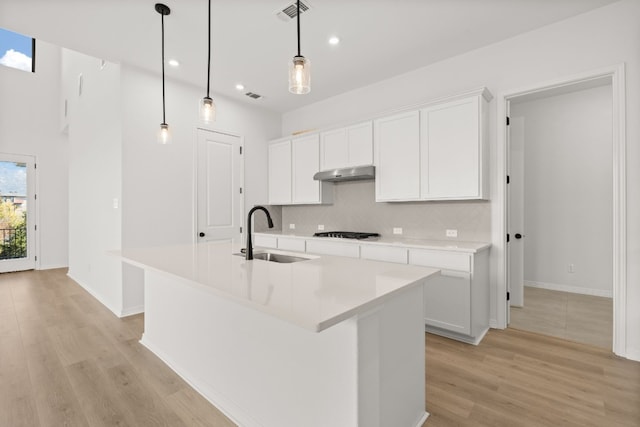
194 196
619 279
33 211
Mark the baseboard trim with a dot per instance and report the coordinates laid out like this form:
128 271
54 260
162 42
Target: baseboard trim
131 311
571 289
455 336
94 294
422 419
51 267
633 354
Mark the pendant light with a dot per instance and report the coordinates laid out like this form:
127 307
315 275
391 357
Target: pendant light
299 69
164 134
207 106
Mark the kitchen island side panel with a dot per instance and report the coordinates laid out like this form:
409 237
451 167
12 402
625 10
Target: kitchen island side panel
262 371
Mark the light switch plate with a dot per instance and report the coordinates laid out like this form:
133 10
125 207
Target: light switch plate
452 233
292 226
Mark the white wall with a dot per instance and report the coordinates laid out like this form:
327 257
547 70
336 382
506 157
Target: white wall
568 182
158 200
29 106
600 38
114 156
95 150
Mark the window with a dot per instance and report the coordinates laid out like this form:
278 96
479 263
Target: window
17 51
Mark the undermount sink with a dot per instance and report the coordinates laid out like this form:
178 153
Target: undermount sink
269 256
281 258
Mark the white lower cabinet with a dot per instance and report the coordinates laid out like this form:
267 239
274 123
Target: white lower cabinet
447 302
291 244
333 248
384 253
456 304
265 241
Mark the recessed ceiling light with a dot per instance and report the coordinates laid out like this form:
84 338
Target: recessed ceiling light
174 63
240 86
334 40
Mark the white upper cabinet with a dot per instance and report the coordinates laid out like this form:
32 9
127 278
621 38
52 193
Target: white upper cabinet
306 162
280 173
292 164
397 157
453 150
437 153
346 147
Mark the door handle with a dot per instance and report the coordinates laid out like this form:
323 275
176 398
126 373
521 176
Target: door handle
201 234
519 236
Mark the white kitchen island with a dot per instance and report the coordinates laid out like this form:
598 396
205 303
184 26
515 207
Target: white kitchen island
329 341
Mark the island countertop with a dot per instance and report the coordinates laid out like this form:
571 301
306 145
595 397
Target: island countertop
313 294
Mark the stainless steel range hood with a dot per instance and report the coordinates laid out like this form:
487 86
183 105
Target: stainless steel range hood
357 173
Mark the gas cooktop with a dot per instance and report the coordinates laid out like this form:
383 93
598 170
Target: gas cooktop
346 234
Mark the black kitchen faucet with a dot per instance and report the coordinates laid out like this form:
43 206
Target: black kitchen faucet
249 248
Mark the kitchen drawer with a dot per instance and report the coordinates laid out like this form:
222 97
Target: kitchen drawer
440 259
265 241
289 244
383 253
333 248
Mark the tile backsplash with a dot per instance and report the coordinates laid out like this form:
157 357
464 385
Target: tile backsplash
354 209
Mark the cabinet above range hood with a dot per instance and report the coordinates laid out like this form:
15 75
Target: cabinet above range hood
358 173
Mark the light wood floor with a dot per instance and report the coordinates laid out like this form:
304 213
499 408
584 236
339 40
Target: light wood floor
582 318
65 360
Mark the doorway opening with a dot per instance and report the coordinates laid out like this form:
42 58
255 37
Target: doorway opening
17 213
559 208
559 212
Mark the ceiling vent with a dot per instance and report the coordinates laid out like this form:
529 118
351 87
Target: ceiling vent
253 95
290 11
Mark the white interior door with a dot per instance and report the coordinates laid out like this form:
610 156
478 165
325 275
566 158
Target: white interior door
219 186
515 211
17 213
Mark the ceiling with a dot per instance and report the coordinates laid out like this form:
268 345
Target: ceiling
252 46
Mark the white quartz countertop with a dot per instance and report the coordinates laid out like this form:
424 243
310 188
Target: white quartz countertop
443 245
314 294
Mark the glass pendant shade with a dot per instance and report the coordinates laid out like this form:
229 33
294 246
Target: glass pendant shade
300 75
164 134
207 110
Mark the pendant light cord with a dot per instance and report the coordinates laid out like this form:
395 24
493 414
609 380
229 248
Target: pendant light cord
164 120
209 52
298 15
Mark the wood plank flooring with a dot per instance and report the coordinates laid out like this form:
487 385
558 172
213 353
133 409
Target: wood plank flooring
65 360
586 319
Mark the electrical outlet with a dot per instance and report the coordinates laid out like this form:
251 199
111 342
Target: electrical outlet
320 227
572 268
452 233
397 230
292 226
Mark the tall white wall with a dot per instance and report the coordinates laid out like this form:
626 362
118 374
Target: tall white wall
600 38
158 199
95 151
29 106
568 182
114 158
158 180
